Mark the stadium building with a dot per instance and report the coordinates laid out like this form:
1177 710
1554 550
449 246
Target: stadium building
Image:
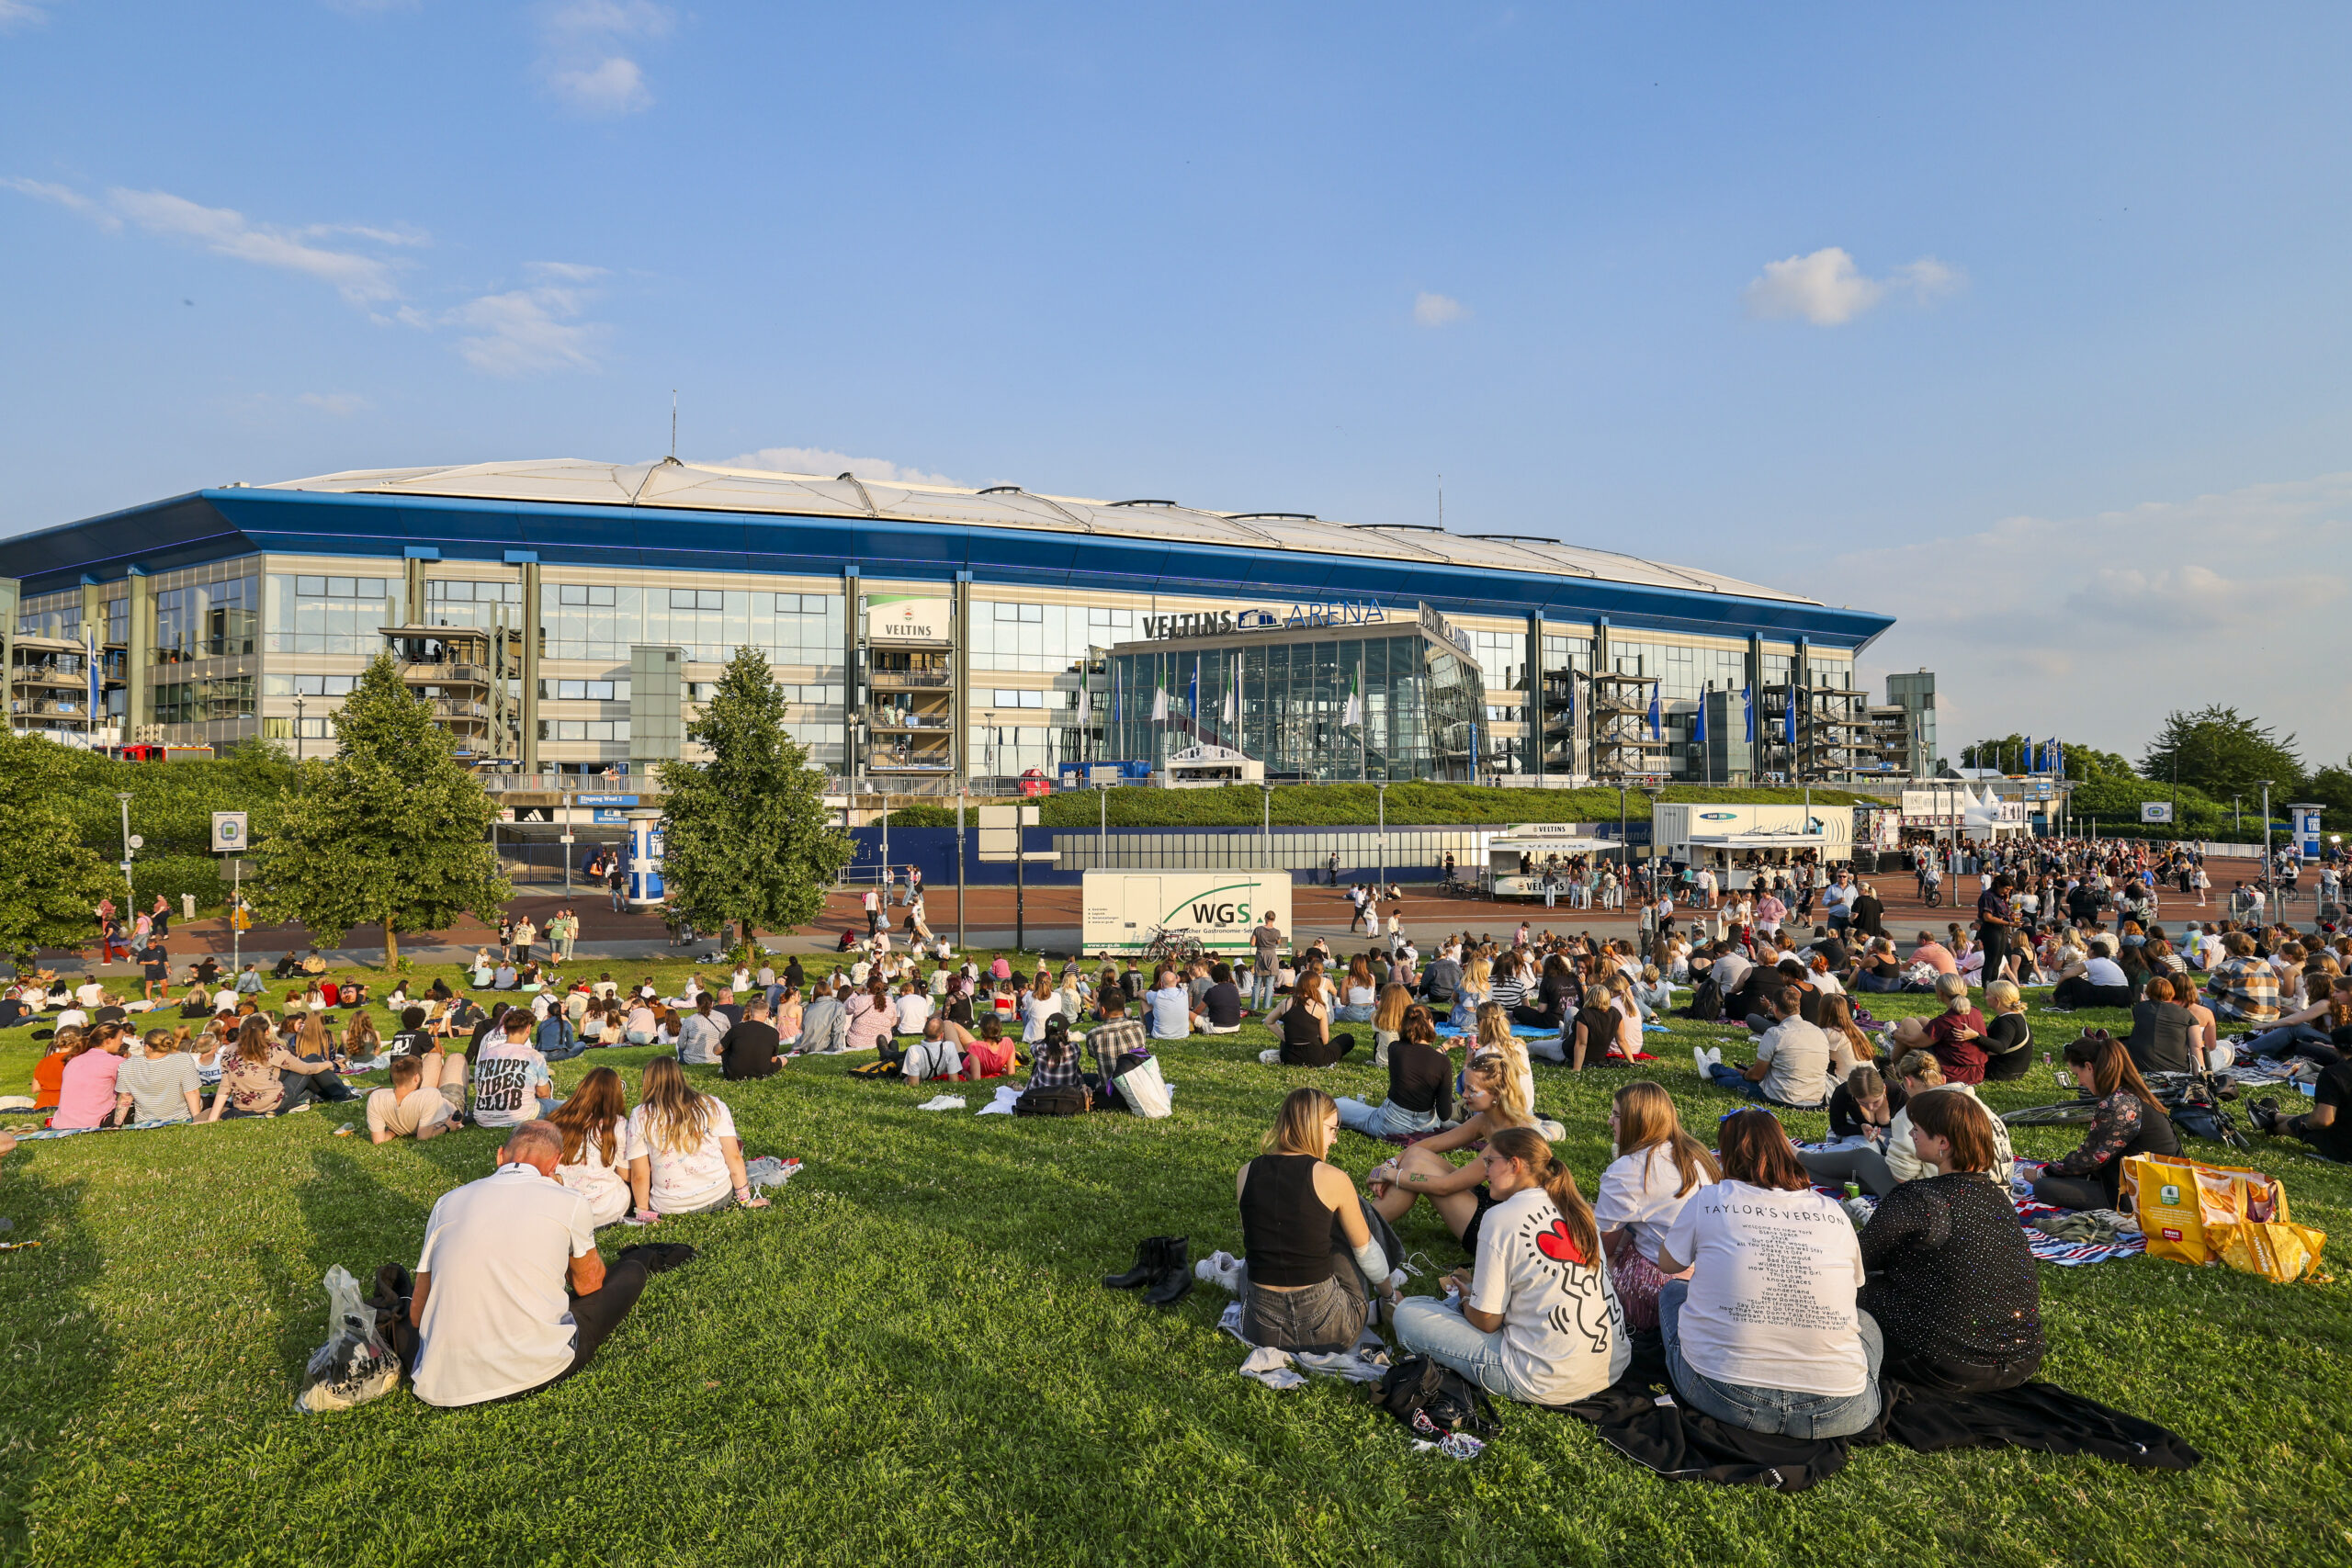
564 617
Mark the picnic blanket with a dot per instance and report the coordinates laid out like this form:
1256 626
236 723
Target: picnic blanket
2048 1248
77 1132
1524 1030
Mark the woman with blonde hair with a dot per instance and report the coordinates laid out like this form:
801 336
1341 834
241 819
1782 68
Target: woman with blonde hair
594 1125
1310 1259
1492 1097
1389 1021
1656 1168
1477 988
1535 1319
1848 1047
2009 1037
684 1156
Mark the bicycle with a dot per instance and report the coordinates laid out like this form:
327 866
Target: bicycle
1173 944
2200 1093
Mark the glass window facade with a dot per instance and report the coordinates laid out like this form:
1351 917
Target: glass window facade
330 615
207 620
1044 640
600 621
1343 708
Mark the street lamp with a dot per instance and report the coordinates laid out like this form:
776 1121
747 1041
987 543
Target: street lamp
2266 830
298 729
131 908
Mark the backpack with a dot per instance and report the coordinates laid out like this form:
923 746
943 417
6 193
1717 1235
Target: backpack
1706 1002
1417 1390
1072 1100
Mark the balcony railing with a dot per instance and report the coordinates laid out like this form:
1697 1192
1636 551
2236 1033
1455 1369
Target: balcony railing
905 680
434 674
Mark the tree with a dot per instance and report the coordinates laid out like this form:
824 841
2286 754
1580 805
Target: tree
749 839
2224 755
2012 753
50 897
393 828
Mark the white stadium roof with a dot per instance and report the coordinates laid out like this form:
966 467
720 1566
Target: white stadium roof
694 486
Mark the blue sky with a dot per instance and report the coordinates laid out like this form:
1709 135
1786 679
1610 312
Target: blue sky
2025 325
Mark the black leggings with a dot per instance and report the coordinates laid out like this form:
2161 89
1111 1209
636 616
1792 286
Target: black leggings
2071 1192
1308 1054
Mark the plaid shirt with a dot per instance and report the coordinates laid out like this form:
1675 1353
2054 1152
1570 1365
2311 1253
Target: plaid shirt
1120 1037
1056 1063
2246 989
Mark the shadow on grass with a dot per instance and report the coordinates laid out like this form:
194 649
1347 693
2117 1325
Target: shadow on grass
55 1355
351 1217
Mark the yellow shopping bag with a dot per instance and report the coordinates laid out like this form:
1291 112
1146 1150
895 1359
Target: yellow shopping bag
2280 1253
2186 1208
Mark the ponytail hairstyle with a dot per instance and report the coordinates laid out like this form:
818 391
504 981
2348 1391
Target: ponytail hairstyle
1646 1118
2111 1068
1527 1147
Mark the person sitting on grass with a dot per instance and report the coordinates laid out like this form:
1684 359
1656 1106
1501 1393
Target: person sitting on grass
2009 1035
1956 1035
308 1065
2311 1032
871 1017
2164 1034
2127 1120
1791 1066
1765 1333
250 1084
1459 1193
1536 1319
511 1295
1169 1004
750 1050
1658 1166
1056 1063
1864 1107
1920 1074
512 1083
1220 1005
594 1125
1304 1020
49 1072
1848 1047
1952 1285
1421 1082
411 1107
1475 990
684 1156
87 1094
1310 1262
162 1084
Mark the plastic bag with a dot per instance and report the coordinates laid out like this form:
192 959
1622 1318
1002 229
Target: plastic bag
2186 1208
2281 1252
357 1363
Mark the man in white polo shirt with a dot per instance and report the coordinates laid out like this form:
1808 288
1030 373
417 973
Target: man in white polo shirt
511 1294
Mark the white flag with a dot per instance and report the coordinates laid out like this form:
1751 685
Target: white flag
1230 706
1354 716
1160 702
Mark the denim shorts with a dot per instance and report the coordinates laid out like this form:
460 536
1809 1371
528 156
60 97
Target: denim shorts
1324 1318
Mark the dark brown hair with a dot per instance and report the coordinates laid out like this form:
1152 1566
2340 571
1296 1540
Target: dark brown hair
1755 1148
1527 1146
1954 1115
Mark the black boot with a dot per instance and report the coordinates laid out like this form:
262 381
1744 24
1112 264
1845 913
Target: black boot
1176 1282
1150 1257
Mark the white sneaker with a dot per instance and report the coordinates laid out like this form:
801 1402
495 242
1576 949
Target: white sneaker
1270 1057
1715 1054
1220 1268
1699 1059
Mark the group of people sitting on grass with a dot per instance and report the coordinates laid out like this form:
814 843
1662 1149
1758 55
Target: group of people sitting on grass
1773 1314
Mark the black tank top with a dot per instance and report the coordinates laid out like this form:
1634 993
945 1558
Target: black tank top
1285 1227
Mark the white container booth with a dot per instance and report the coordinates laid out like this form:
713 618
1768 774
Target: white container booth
1536 842
1207 766
1733 841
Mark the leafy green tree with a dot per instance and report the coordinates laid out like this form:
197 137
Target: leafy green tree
2223 754
749 839
2084 763
393 828
50 897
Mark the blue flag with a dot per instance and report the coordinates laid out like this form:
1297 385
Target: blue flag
1789 719
1699 724
1118 696
1750 694
1655 730
1193 703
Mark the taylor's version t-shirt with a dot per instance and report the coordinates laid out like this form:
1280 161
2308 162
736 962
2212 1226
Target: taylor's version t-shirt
1772 1284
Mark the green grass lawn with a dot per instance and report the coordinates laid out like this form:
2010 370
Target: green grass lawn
909 1359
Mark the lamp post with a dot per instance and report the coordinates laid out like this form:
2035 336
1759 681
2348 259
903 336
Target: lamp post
298 729
130 907
1382 793
1268 786
1624 848
2266 830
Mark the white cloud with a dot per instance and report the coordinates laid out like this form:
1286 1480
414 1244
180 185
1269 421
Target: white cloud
2096 626
564 272
343 405
826 463
1826 289
21 14
1437 309
580 58
528 332
362 279
64 196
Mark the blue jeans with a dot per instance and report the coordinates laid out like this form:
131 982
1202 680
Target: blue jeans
2296 1040
1433 1326
1261 989
1725 1076
1384 1120
1769 1410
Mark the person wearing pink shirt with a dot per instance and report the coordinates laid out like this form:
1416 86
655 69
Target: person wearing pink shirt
85 1095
